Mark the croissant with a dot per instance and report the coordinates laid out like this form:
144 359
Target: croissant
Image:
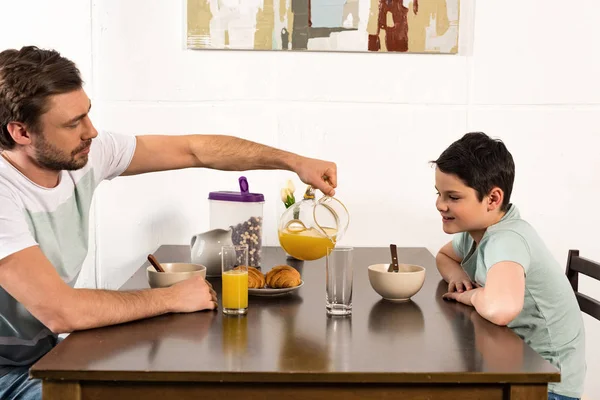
256 279
283 276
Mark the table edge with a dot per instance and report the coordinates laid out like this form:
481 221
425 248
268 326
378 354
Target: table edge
298 377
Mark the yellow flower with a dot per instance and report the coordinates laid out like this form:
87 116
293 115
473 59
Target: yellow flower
285 193
290 185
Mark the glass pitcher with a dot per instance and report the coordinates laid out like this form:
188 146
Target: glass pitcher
309 228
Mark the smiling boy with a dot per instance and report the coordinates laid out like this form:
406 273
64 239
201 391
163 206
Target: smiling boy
497 263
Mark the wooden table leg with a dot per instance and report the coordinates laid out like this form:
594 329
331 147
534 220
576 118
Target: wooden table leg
528 392
61 390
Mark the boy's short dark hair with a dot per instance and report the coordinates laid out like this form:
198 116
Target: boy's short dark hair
482 163
28 77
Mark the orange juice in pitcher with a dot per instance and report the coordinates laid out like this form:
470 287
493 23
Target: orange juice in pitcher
310 228
307 244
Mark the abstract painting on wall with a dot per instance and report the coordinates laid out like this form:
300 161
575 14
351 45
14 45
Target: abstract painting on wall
408 26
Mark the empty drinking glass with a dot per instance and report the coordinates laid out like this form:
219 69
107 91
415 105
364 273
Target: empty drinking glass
338 294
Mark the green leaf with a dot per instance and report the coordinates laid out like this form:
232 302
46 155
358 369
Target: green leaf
289 201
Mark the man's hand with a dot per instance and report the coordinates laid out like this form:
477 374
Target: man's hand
193 294
320 174
32 280
459 282
464 297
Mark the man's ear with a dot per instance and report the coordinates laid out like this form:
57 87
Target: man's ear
18 131
495 199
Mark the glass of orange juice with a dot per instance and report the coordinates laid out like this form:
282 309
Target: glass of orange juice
234 264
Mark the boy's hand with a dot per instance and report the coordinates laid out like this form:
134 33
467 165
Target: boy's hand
459 282
464 297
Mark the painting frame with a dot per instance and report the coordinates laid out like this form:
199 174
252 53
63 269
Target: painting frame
371 26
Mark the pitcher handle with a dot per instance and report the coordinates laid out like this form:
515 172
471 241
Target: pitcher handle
341 230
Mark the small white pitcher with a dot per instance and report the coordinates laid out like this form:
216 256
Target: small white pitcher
206 249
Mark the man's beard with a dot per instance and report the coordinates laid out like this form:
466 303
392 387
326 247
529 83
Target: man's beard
50 157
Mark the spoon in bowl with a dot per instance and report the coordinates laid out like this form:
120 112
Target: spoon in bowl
394 265
155 263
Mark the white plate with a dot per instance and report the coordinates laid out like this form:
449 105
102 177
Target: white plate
267 292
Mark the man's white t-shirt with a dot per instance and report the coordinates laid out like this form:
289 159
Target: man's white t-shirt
56 220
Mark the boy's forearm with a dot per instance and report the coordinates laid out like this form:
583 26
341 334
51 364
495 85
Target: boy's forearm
89 308
447 266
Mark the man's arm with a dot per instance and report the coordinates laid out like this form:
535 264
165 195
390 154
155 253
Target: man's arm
31 279
448 263
228 153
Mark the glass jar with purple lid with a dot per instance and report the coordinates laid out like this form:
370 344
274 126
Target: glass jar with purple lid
242 212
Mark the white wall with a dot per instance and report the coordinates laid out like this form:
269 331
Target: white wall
529 76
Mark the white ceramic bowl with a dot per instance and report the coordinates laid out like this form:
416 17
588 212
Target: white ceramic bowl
396 286
174 272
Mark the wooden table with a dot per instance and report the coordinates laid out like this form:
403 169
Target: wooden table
287 347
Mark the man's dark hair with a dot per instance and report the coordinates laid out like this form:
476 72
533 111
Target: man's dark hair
482 163
28 77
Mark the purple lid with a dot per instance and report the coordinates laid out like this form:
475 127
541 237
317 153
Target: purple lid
243 195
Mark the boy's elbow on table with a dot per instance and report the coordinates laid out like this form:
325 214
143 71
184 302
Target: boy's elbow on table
503 316
499 311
